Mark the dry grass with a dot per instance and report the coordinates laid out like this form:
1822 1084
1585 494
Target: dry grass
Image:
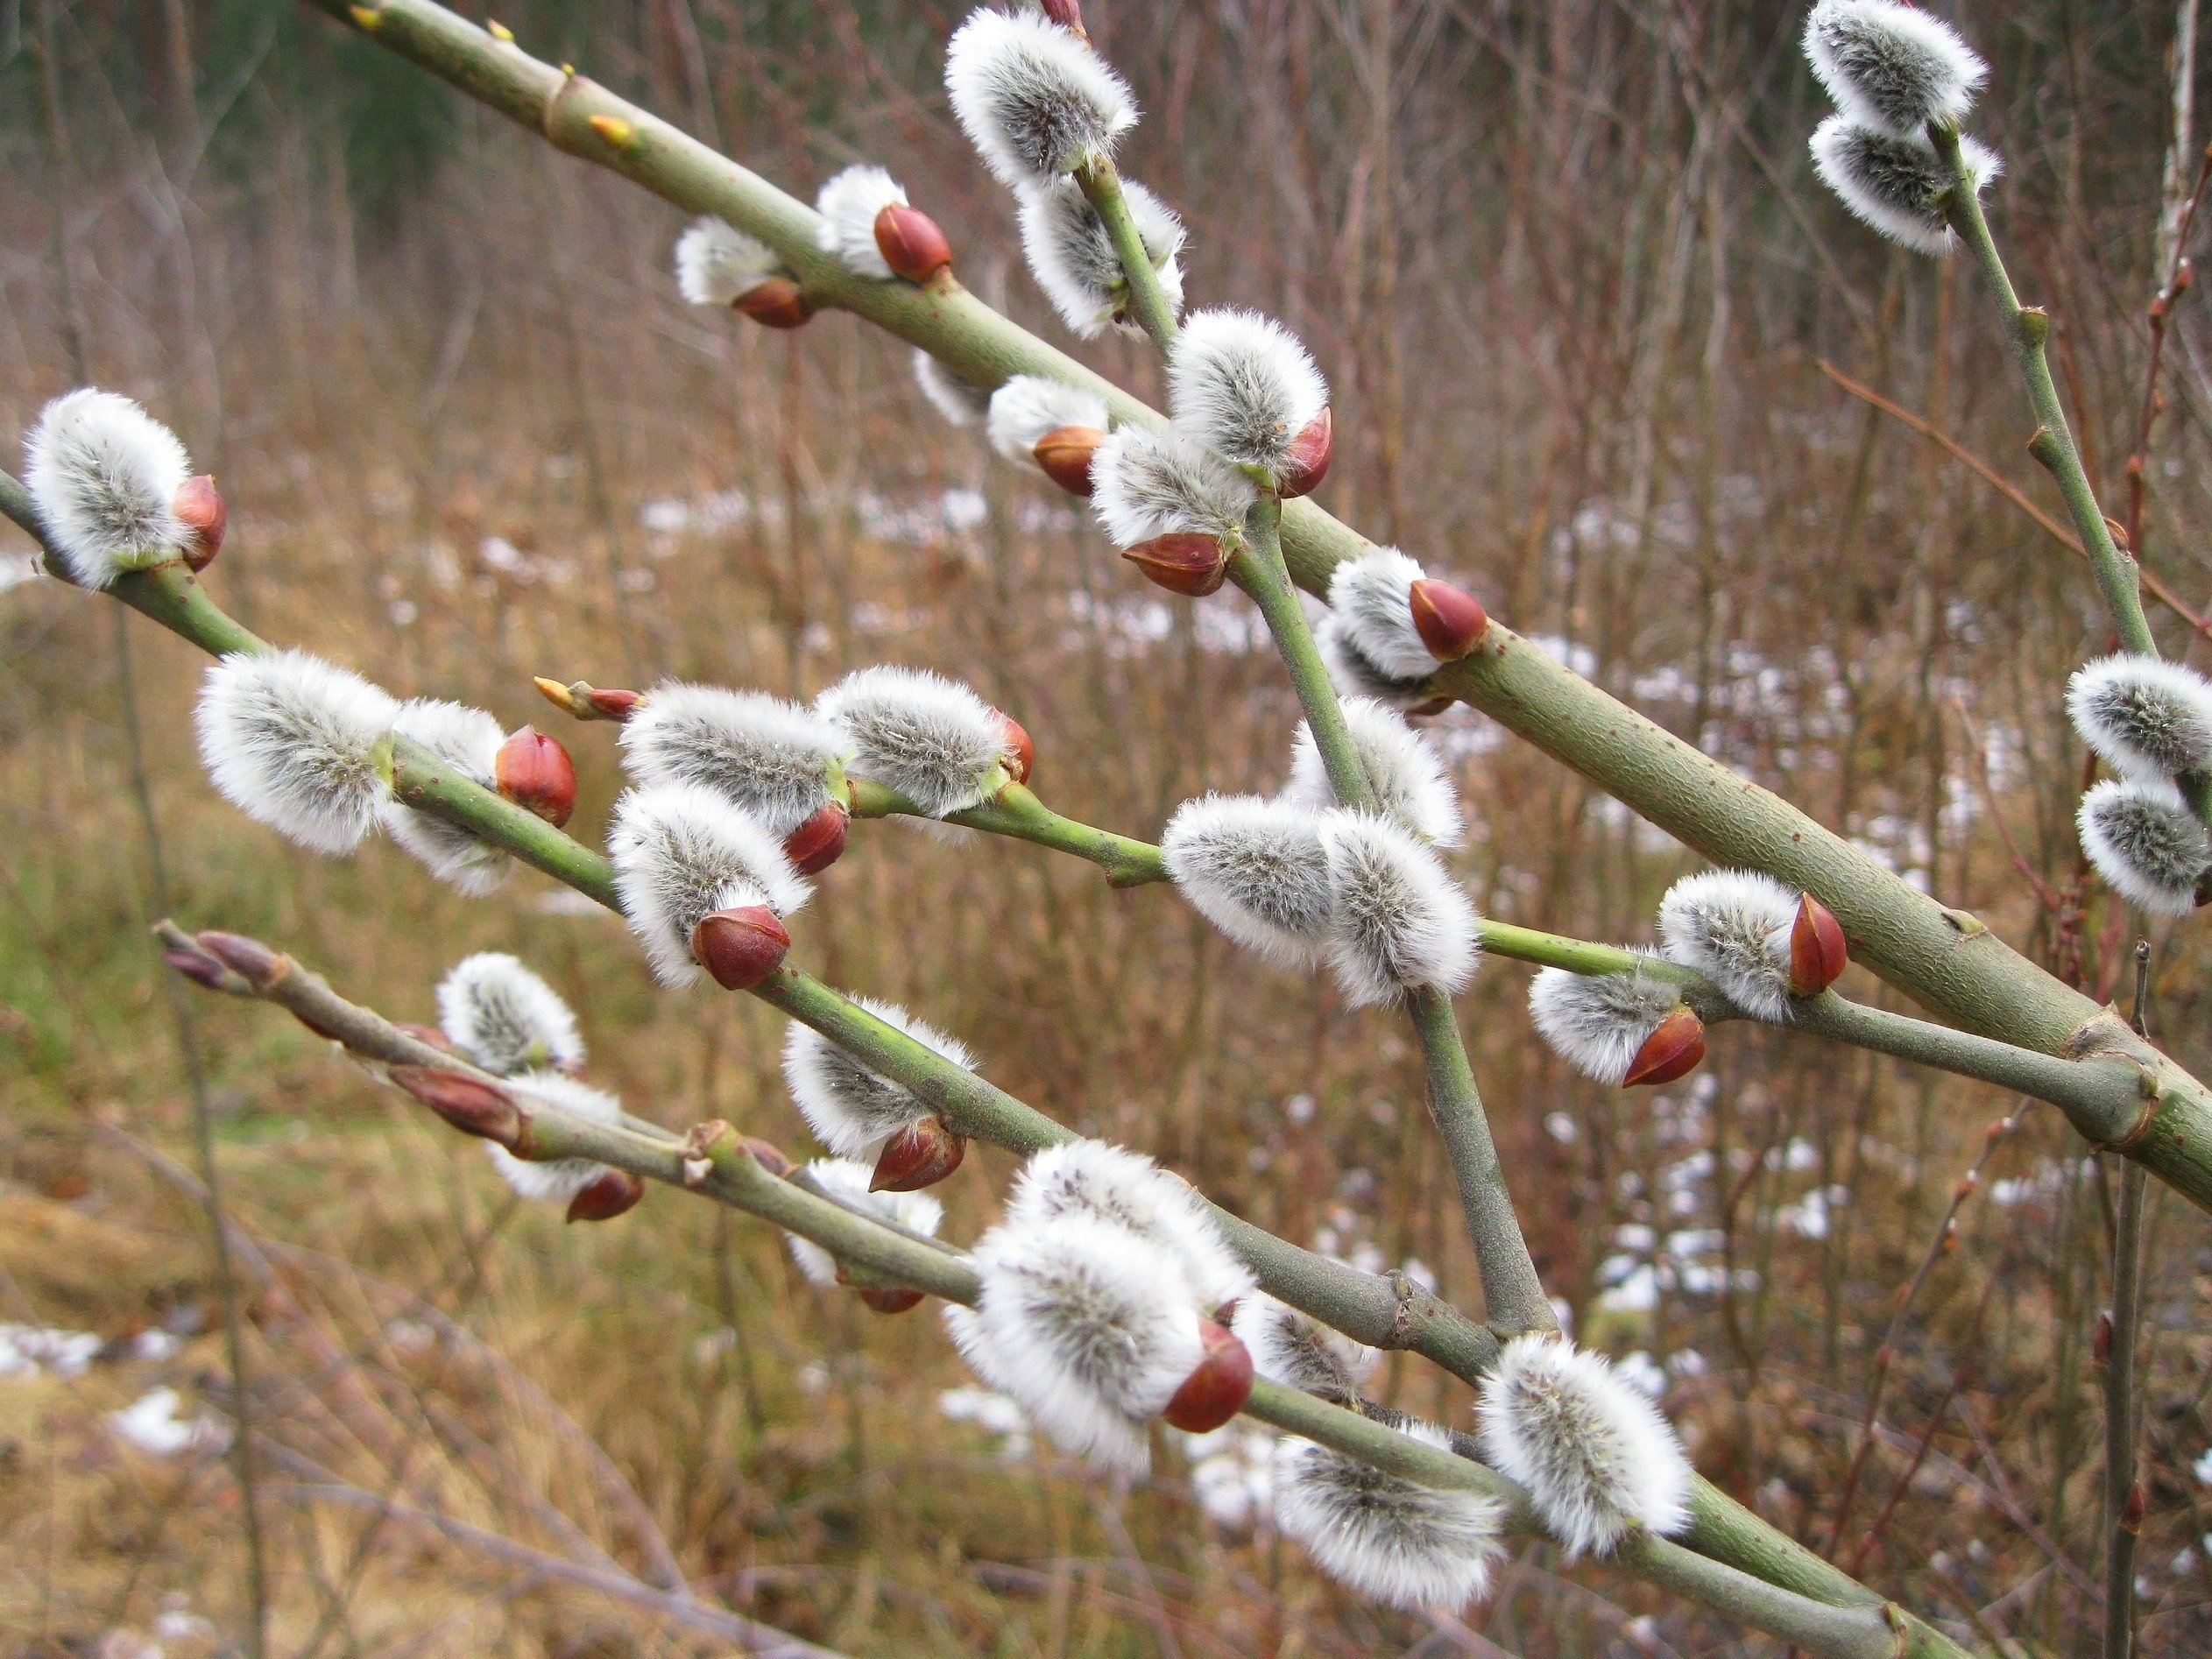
1575 362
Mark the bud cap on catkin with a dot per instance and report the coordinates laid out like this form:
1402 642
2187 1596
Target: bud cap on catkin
1242 385
1599 1023
682 853
1146 484
848 202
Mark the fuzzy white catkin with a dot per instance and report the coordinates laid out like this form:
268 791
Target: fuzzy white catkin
1599 1022
1243 387
680 853
1732 926
2149 718
1891 67
1396 919
1371 597
961 402
103 474
1403 770
506 1018
1255 869
1034 101
1594 1453
1074 260
1385 1537
1896 185
2145 842
848 1182
852 1110
1113 1184
468 740
718 264
1091 1328
1356 674
557 1180
292 742
1299 1351
773 757
1145 485
1027 406
848 202
930 739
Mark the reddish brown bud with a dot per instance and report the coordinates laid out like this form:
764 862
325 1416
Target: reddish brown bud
740 947
201 970
1068 14
203 514
430 1034
534 772
818 842
768 1154
919 1155
1962 1189
1217 1390
472 1106
253 961
1672 1050
612 1192
1949 1242
1451 622
2132 1509
613 705
1185 563
1064 456
1307 462
1021 750
2100 1344
910 242
1817 951
776 303
890 1298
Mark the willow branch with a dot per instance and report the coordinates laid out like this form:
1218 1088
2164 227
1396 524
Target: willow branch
1017 811
1101 188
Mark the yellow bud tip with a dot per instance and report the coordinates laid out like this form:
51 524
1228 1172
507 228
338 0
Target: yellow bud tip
500 31
615 130
365 17
568 69
555 693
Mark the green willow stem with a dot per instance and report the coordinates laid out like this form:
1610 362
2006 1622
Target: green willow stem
1017 811
1147 300
718 1163
2053 444
1257 567
1944 958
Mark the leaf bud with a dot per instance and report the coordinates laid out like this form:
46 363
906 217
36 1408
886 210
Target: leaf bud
1217 1390
890 1298
534 772
1064 455
1450 621
1183 562
469 1104
919 1155
1672 1050
1021 750
1306 462
612 1192
200 510
1817 951
818 842
741 947
910 242
775 303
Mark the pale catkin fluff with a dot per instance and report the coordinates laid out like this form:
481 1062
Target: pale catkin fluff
294 742
1732 926
718 264
1070 254
848 202
2147 717
930 739
1146 483
1380 1535
680 853
468 740
1356 674
1594 1451
1111 1183
1896 185
847 1182
555 1180
2145 842
1034 101
1299 1351
1088 1326
1243 387
506 1018
1599 1022
961 402
852 1110
103 474
1891 67
1255 869
1405 771
1029 406
774 757
1371 596
1396 919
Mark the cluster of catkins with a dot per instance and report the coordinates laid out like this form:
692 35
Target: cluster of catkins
2150 721
1894 72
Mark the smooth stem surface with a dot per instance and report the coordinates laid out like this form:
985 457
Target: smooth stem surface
1257 567
2053 441
1945 958
2120 1417
1017 811
1513 1298
1101 188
